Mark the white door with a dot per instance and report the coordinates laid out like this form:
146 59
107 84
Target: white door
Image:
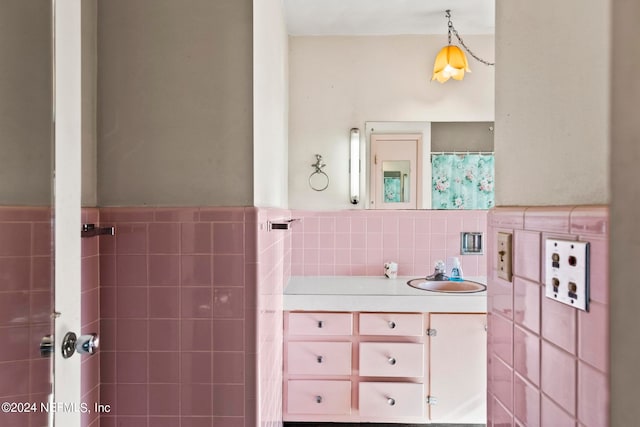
67 216
458 368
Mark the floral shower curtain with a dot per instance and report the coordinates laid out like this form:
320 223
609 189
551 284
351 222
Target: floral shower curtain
462 181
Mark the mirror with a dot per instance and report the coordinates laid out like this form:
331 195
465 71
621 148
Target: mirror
396 185
396 169
452 167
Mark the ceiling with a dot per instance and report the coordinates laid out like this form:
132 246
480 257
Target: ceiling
387 17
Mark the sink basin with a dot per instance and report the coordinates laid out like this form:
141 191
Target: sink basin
446 286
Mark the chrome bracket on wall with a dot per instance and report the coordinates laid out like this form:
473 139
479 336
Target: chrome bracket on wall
318 180
284 224
471 243
90 230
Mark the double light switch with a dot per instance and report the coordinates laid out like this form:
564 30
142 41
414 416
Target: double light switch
567 272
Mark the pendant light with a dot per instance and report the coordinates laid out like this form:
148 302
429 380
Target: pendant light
451 61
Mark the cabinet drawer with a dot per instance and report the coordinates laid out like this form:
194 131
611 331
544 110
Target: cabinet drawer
320 323
392 401
384 359
394 324
319 358
319 397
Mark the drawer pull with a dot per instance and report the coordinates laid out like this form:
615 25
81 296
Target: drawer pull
391 401
320 359
392 325
320 323
392 361
318 399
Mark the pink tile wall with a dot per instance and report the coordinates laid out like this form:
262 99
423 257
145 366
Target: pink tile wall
358 243
90 316
273 269
25 305
548 362
180 309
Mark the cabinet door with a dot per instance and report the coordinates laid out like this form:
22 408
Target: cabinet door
458 368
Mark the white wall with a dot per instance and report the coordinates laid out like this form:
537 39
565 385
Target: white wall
337 83
175 103
270 104
625 210
552 102
26 95
89 58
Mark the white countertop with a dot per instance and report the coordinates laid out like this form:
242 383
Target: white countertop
372 293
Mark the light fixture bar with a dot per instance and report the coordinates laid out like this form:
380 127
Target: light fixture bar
354 166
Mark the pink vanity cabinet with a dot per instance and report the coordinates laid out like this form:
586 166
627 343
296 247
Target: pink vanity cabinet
377 367
318 359
392 366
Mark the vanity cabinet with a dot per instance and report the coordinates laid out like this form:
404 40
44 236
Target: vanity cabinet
391 359
384 367
318 358
320 324
392 324
458 378
319 398
390 401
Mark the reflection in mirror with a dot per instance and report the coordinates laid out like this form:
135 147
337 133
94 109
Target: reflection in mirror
396 181
395 170
469 142
462 180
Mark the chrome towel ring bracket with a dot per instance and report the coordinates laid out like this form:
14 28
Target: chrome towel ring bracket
318 180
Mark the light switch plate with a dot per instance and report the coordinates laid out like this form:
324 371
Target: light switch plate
567 272
505 257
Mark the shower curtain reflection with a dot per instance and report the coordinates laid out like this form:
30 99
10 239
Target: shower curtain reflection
462 181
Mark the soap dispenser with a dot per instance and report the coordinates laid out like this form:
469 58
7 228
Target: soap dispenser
456 271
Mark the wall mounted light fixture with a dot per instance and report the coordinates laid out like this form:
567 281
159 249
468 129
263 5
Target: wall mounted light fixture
451 61
354 165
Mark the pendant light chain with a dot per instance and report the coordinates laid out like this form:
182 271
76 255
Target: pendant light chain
452 29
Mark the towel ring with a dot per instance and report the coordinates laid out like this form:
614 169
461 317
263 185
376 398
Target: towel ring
319 183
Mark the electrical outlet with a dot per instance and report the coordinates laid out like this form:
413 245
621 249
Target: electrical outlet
505 259
567 272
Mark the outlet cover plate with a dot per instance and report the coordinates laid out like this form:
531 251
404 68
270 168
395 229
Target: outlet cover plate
505 259
567 272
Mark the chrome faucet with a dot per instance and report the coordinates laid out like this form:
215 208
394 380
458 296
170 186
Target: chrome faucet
439 273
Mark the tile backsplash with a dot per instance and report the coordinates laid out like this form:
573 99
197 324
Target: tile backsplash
359 242
191 316
547 362
26 302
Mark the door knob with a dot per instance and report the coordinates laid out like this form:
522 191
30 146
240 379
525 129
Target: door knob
47 346
86 344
